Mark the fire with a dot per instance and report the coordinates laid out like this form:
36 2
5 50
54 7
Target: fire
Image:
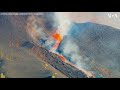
58 38
62 58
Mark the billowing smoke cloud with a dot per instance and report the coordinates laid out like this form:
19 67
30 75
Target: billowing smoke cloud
63 23
69 48
71 51
51 22
40 29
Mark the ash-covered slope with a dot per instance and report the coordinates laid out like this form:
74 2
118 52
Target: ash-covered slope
94 47
18 62
12 28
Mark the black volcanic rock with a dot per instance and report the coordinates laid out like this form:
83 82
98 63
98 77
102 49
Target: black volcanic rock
27 44
55 61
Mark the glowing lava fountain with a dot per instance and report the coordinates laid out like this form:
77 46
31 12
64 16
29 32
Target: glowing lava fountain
63 26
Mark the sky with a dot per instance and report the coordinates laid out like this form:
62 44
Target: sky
106 18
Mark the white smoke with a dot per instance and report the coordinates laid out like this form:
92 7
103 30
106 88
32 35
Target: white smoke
70 48
40 31
63 23
72 51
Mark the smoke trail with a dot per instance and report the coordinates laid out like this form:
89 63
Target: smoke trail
40 29
63 23
70 49
51 21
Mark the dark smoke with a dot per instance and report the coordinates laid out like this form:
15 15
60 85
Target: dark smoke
51 22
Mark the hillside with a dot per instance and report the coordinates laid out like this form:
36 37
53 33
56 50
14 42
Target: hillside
95 47
18 61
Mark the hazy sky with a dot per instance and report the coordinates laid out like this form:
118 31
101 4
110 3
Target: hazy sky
107 18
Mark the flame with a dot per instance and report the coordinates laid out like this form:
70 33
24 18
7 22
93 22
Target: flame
62 57
58 38
64 24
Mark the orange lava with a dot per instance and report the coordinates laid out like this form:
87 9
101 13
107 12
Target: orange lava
56 45
62 58
57 37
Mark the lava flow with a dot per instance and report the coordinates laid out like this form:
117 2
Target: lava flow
58 38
